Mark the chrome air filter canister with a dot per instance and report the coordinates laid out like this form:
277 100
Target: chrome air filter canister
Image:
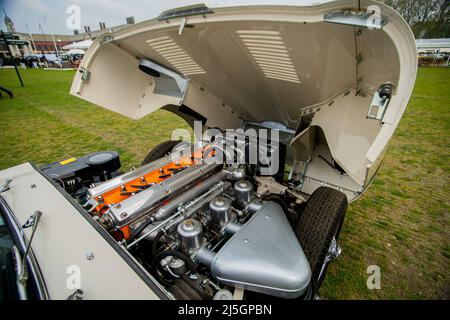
190 234
243 191
221 210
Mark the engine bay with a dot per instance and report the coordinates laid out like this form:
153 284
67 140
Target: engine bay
202 229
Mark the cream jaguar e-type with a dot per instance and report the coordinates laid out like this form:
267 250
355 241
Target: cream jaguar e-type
329 82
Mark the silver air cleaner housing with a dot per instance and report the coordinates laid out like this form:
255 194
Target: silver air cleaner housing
191 234
221 210
243 191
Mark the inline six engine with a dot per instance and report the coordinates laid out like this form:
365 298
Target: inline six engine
201 228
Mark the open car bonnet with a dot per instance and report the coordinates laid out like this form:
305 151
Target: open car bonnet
338 74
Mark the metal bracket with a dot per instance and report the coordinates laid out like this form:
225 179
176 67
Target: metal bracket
183 25
327 184
363 19
268 185
107 39
85 74
380 102
90 205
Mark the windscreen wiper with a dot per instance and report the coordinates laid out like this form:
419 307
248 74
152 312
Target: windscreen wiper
18 263
5 186
32 222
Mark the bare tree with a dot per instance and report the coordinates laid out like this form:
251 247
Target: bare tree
427 18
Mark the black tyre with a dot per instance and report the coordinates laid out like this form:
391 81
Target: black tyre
160 151
320 221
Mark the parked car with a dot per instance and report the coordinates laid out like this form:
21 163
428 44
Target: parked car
328 84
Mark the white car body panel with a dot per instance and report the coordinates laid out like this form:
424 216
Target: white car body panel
237 71
63 239
230 80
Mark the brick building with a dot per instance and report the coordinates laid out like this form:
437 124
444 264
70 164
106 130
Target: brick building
39 43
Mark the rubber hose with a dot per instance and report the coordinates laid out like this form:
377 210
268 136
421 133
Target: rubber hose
139 230
155 244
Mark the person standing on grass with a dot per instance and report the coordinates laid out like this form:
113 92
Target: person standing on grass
44 59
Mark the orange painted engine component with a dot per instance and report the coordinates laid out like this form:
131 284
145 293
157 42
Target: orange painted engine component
128 189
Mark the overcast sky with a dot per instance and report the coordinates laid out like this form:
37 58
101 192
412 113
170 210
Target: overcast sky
52 13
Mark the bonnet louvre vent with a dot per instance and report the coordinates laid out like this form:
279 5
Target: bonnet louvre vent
269 52
175 55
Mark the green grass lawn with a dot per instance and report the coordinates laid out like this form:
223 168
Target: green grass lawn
400 224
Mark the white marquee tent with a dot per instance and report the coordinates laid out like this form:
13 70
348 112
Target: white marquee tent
79 45
75 51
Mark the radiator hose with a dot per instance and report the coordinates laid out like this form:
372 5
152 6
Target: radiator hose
189 264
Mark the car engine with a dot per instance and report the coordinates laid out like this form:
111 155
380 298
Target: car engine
204 230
